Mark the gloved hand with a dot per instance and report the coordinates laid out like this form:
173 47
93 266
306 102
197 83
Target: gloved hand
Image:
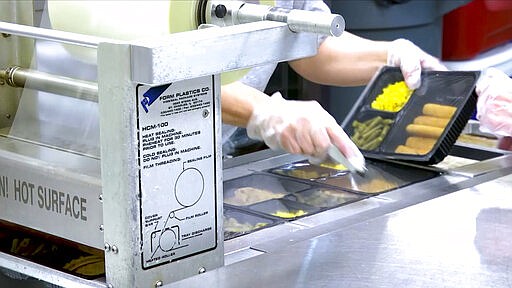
505 143
411 59
300 127
494 106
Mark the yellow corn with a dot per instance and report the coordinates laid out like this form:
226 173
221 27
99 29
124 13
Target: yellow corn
393 97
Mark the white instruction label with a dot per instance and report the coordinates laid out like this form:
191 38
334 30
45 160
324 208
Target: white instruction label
176 133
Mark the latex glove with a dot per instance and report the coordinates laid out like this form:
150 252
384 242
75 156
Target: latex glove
411 59
494 106
505 143
300 127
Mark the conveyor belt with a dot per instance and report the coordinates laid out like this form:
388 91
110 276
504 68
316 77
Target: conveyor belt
458 240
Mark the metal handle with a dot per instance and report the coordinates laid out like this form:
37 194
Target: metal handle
316 22
226 13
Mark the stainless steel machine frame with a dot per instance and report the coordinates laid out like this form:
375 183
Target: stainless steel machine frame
111 210
305 252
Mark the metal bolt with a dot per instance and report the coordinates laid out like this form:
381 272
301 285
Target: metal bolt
101 227
206 113
107 247
8 116
100 197
202 270
159 283
221 11
115 250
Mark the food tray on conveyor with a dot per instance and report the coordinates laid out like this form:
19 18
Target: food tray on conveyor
324 197
280 197
306 171
389 121
382 176
284 208
238 222
51 251
258 187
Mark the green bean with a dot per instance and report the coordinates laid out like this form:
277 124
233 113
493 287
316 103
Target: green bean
385 131
373 144
374 122
371 132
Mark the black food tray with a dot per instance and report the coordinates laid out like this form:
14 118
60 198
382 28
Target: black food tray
259 187
454 89
284 209
238 222
324 197
382 176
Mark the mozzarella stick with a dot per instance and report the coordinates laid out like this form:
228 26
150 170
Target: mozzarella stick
437 110
420 143
405 150
424 131
431 121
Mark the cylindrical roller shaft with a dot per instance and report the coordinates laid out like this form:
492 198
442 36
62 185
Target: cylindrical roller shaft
49 34
21 77
316 22
238 12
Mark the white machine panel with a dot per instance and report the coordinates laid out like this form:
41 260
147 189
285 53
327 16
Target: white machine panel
176 134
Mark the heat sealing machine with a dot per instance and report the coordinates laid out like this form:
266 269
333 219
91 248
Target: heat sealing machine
112 175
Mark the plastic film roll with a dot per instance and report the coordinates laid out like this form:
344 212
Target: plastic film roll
127 20
121 20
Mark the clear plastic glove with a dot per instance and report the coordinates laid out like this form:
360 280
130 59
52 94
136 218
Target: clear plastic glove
505 143
494 106
411 59
301 127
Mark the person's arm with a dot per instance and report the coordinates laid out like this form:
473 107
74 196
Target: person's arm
347 60
238 102
350 60
298 127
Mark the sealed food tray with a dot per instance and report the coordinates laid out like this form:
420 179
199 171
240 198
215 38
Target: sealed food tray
324 197
238 222
284 209
425 128
381 176
258 187
306 171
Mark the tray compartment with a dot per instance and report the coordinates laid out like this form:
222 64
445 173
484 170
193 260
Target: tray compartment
238 222
324 198
258 187
284 209
381 177
369 129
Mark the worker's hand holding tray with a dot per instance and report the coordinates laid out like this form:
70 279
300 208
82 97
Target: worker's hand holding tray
389 121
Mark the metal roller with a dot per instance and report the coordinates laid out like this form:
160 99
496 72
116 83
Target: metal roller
26 78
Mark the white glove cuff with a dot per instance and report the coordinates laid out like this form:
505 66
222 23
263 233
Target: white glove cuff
259 126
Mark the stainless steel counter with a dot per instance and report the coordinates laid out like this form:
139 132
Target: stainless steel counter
450 231
460 237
